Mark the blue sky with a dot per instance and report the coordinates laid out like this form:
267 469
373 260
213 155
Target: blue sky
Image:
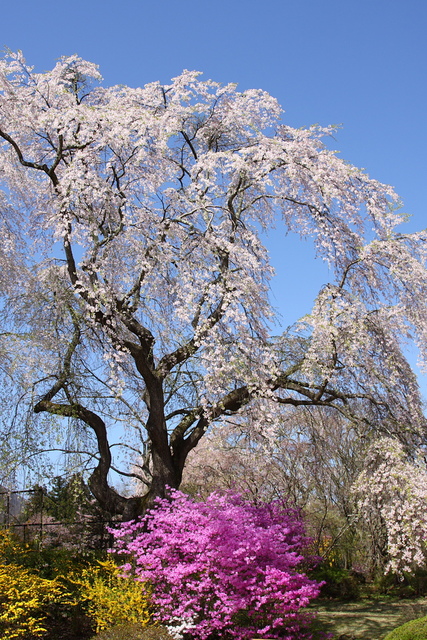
360 64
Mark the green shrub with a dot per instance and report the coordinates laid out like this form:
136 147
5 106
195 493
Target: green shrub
339 583
408 585
418 581
47 562
52 562
413 630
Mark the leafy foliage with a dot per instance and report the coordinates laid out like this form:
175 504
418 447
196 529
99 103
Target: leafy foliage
412 630
64 500
24 601
224 566
42 589
337 583
70 515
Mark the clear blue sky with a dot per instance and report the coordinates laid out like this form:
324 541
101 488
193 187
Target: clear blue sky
362 64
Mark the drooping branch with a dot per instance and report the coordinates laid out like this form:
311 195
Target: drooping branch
107 497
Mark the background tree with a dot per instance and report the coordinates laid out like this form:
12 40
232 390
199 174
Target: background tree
65 500
135 283
312 462
65 514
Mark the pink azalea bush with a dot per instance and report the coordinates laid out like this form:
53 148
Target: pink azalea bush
224 567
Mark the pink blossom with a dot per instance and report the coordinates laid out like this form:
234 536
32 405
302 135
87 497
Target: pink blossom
224 565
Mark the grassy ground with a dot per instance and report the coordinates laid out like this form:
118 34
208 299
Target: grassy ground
367 619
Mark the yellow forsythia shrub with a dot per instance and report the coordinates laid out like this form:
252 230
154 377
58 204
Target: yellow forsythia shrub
110 598
23 601
24 596
12 550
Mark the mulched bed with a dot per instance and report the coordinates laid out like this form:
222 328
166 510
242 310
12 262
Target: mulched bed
80 628
76 628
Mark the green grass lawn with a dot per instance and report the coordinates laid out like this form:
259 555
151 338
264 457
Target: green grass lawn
370 619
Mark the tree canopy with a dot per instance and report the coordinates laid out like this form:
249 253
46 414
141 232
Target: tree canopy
135 283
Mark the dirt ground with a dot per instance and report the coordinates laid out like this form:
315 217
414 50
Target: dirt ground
367 619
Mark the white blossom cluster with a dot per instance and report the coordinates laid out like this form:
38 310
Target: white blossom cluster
393 488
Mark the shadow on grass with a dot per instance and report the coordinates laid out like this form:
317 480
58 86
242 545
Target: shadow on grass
367 619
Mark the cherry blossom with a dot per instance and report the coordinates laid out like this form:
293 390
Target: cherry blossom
135 283
392 489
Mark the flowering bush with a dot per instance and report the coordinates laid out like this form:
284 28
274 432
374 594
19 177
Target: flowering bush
24 601
223 566
25 598
109 598
43 588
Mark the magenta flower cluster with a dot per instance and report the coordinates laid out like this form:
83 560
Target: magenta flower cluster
221 568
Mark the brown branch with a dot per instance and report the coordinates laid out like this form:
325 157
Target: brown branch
108 498
26 163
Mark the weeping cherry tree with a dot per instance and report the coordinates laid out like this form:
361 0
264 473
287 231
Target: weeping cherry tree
135 283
